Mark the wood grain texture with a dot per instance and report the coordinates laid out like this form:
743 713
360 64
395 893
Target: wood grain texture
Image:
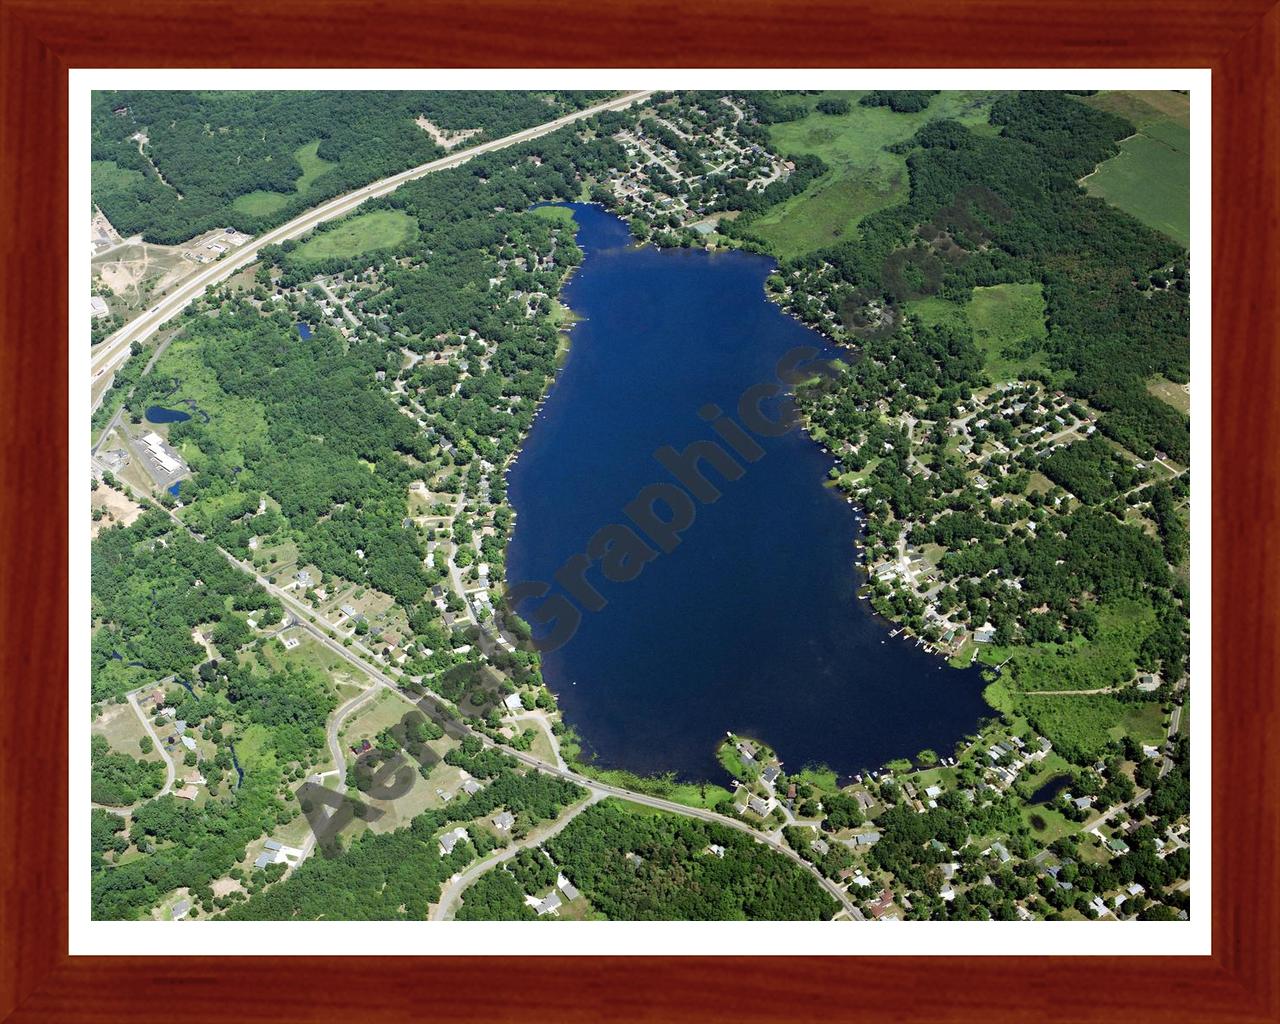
39 41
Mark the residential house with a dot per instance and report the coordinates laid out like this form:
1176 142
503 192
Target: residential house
451 839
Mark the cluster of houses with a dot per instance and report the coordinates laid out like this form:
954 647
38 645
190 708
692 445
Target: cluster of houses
660 185
1009 756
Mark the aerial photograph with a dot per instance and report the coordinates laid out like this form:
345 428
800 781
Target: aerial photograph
639 505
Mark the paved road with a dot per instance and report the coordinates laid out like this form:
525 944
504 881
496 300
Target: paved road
1138 797
335 751
115 350
171 771
304 614
460 882
1175 720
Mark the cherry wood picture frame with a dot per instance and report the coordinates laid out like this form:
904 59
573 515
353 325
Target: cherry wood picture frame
41 39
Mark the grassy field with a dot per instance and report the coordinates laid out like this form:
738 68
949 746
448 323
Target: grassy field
1106 660
313 654
262 203
863 177
556 213
253 750
313 165
1174 394
108 176
932 311
123 731
1003 316
1143 107
1000 316
1150 178
1081 726
1144 722
381 229
691 794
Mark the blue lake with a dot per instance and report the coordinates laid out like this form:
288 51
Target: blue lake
752 622
159 414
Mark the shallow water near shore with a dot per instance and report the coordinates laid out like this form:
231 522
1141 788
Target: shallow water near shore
752 623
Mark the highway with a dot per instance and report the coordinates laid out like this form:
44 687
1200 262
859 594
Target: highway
115 350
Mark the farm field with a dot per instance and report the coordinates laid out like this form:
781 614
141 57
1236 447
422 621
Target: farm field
381 229
1150 177
864 177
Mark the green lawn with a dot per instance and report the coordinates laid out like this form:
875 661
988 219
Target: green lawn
262 203
1004 317
556 213
863 177
108 176
381 229
1151 178
1047 826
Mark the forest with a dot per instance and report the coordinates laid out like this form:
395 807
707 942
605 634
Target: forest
172 164
900 101
637 865
151 585
118 779
1116 291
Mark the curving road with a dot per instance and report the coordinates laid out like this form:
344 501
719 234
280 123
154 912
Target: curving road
335 750
450 894
115 350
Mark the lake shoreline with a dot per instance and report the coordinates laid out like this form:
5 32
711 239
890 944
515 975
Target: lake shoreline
614 746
